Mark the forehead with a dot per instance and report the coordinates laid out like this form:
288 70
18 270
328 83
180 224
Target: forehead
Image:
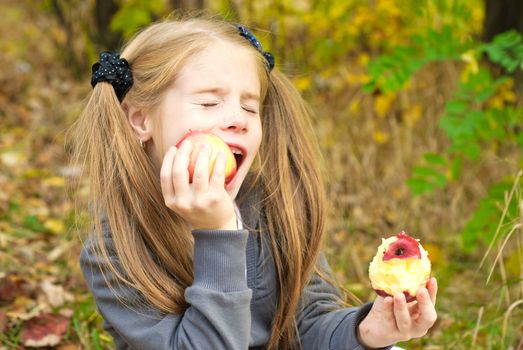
221 64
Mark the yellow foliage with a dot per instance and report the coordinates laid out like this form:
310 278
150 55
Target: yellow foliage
303 83
363 59
383 104
504 95
354 108
412 115
380 137
389 8
54 226
477 15
338 9
356 78
496 102
436 255
55 181
471 64
362 17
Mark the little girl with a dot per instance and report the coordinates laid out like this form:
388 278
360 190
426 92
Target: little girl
200 263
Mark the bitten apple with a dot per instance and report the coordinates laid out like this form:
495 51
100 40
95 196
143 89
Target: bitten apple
400 265
199 138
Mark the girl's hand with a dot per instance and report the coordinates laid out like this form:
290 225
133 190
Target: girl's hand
204 203
392 320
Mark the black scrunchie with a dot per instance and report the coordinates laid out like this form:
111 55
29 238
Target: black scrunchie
114 70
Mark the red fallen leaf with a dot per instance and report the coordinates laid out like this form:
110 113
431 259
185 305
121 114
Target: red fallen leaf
12 286
8 290
3 322
43 330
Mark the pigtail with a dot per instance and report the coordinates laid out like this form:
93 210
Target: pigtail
124 193
295 200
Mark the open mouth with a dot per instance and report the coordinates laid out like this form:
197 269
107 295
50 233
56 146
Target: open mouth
238 155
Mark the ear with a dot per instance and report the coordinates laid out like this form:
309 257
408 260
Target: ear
139 121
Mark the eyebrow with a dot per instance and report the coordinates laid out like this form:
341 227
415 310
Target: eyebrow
221 91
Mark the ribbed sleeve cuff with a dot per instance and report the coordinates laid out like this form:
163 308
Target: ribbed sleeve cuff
220 260
348 329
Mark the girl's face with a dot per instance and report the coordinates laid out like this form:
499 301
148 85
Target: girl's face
217 90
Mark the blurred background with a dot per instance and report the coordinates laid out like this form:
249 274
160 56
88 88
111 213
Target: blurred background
419 115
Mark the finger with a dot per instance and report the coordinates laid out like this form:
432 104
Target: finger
201 170
180 170
166 175
402 315
382 304
427 311
218 173
433 289
383 307
413 309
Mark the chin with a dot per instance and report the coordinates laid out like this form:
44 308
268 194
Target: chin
233 187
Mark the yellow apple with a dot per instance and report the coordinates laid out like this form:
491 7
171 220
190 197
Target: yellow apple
199 138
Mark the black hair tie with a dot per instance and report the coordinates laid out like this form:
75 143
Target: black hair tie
246 33
114 70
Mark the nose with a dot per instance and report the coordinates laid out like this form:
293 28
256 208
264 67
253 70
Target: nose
235 121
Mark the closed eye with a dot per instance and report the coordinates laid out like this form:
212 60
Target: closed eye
250 110
210 104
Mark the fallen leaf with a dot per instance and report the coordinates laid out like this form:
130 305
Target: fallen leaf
12 286
69 347
7 290
56 295
44 330
55 181
54 226
24 308
12 158
3 322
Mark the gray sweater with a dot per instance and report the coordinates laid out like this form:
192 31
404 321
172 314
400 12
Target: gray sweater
232 299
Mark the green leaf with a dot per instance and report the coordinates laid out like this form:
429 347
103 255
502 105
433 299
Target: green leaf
435 159
455 168
369 86
468 148
429 175
135 14
456 106
506 50
31 222
95 339
519 140
420 186
424 171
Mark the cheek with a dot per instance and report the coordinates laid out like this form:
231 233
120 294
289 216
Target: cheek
176 126
172 133
257 136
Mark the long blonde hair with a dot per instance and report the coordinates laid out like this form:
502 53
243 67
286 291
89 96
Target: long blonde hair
152 244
